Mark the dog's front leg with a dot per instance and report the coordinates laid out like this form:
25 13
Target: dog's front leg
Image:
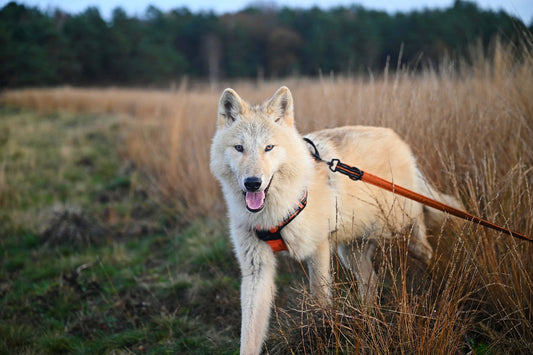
319 273
257 292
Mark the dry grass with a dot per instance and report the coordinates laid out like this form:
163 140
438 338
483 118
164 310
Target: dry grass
471 127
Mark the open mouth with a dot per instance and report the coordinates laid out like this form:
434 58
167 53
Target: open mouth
255 201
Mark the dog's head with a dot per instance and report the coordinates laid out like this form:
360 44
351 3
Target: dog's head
252 144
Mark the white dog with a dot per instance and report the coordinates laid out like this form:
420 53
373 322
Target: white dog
279 198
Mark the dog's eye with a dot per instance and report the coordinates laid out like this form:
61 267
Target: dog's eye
239 148
269 147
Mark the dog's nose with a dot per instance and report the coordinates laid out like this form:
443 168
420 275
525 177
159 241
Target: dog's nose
252 183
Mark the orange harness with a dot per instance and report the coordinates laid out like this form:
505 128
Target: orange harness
272 236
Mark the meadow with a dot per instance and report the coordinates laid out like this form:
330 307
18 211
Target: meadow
114 239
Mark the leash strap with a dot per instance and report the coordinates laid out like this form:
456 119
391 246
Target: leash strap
355 174
377 181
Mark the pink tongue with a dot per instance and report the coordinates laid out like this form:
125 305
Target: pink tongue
254 200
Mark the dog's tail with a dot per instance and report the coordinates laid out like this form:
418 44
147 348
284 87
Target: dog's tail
433 217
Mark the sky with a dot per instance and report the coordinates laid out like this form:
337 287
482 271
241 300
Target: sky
522 9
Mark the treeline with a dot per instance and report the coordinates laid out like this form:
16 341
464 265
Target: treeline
38 48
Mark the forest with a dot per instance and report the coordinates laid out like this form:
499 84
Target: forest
161 48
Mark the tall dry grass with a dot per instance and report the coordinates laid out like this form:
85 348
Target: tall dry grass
471 128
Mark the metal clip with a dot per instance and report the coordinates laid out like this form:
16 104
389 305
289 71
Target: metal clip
333 164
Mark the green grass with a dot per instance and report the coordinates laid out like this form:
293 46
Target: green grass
139 283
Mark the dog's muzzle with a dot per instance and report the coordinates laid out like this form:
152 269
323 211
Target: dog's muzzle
255 199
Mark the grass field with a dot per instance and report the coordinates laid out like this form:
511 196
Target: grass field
114 239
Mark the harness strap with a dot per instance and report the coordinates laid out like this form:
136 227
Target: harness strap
272 236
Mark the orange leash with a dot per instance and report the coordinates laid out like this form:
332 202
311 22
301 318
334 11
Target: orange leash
354 173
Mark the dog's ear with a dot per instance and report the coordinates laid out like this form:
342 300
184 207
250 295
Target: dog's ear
230 107
281 107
